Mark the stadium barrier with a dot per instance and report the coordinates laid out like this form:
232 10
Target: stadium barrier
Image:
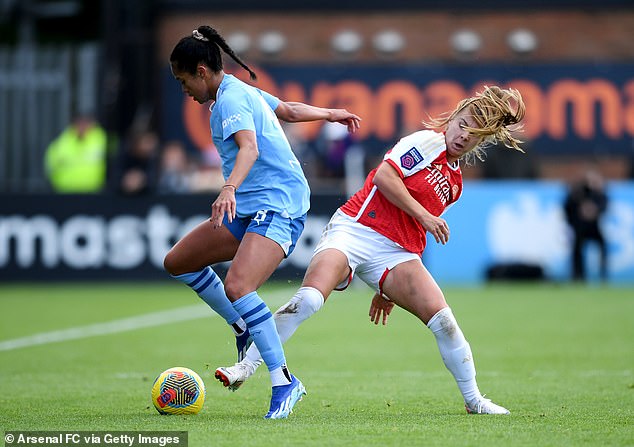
55 237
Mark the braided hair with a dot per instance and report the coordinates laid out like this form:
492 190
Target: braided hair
204 46
494 109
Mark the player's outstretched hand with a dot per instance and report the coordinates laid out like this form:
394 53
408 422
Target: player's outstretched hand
380 309
350 120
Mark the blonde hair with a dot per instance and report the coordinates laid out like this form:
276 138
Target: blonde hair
494 109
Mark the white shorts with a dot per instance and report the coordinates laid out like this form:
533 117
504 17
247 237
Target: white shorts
370 254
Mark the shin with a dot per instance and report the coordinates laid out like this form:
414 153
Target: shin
455 352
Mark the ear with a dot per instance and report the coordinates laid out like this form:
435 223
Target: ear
201 71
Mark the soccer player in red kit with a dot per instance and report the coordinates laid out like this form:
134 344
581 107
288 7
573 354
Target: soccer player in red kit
379 234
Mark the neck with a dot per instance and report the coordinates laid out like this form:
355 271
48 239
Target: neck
213 83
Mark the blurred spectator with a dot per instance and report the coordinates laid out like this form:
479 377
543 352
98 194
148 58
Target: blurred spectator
354 167
76 161
175 169
584 206
630 173
302 150
138 164
339 156
332 145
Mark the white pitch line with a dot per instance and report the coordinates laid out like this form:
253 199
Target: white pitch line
160 318
111 327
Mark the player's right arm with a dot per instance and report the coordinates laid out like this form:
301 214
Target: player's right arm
389 182
225 203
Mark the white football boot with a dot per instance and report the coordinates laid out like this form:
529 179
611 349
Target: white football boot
480 405
234 376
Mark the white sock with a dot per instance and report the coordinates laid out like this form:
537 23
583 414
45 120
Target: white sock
238 327
280 376
455 352
304 303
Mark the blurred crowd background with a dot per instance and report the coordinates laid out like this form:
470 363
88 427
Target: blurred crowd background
67 61
88 104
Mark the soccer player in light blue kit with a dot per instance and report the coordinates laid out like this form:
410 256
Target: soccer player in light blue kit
260 211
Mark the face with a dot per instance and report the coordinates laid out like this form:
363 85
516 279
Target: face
193 85
459 141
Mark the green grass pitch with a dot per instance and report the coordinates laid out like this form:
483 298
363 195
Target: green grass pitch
560 357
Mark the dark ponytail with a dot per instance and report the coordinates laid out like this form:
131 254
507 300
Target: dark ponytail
204 46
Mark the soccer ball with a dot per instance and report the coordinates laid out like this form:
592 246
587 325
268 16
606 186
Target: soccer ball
178 390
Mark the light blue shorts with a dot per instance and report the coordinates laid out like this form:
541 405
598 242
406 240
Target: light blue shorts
283 230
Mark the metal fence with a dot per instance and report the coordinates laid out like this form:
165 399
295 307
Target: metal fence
40 90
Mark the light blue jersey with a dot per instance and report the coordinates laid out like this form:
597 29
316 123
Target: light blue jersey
276 181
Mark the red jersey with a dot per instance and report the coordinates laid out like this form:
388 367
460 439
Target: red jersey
421 161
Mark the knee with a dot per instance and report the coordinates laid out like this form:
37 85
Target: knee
171 264
236 288
311 298
305 303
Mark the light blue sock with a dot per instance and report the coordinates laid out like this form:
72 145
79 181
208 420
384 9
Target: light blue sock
209 287
261 325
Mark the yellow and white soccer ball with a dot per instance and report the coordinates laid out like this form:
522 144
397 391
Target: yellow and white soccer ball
178 390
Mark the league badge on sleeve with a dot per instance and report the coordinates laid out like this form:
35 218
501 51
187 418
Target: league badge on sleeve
411 158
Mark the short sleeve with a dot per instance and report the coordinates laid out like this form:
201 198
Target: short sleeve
415 152
272 101
236 113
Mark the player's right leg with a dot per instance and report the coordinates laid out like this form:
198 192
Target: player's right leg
327 269
189 262
258 256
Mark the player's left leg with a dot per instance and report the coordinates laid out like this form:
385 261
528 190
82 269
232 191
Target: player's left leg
411 287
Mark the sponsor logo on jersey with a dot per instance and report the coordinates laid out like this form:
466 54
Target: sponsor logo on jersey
232 119
440 183
411 158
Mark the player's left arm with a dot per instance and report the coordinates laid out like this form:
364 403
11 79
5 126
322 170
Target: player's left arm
391 185
296 112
